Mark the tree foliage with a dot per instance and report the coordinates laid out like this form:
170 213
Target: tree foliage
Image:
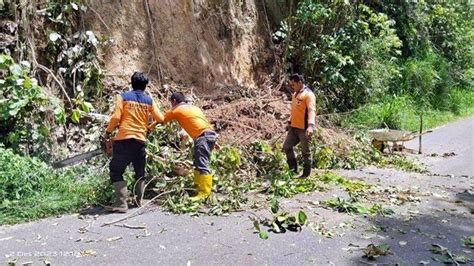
353 53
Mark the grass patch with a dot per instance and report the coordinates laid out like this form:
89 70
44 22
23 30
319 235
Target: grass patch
401 112
32 190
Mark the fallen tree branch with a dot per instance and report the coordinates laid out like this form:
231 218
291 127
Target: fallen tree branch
137 210
132 226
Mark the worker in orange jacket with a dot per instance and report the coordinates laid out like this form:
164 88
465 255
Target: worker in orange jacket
301 124
193 121
133 111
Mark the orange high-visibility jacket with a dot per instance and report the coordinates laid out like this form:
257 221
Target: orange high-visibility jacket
133 110
190 118
303 108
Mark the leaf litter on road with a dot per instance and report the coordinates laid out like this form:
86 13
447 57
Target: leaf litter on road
373 251
111 239
469 242
446 256
87 253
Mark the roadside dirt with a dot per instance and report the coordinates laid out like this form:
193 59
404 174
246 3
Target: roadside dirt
206 45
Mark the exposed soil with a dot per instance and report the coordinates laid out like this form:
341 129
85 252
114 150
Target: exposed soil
206 45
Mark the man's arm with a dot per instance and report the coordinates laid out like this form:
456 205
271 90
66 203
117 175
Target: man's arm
169 116
157 117
311 105
156 114
116 116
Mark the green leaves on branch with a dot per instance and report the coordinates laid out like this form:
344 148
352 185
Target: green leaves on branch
72 50
469 242
81 106
373 251
446 256
23 107
351 206
281 221
226 161
18 91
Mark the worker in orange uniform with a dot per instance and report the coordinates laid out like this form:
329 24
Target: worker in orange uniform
193 121
133 110
301 124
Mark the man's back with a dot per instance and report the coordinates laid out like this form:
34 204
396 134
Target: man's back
190 118
133 110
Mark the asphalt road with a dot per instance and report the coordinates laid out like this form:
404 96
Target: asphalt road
438 212
449 150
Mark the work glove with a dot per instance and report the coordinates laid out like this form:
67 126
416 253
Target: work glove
106 143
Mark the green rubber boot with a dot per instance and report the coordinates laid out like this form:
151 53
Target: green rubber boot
120 204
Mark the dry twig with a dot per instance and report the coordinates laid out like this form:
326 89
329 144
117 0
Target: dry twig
100 18
137 210
47 70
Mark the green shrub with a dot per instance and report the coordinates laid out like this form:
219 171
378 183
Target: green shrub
32 190
404 113
428 80
461 100
349 63
386 113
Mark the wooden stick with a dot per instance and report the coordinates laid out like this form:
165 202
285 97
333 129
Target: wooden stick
421 133
132 226
137 210
47 70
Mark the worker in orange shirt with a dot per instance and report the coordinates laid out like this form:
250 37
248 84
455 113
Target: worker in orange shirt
301 124
133 110
193 121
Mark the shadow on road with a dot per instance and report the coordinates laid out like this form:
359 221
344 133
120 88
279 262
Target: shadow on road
411 238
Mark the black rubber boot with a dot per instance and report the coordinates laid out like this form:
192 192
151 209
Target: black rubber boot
139 192
293 165
306 170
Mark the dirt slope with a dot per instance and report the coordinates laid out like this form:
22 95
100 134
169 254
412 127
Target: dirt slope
206 45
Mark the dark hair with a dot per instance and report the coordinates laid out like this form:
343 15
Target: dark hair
297 77
178 97
139 81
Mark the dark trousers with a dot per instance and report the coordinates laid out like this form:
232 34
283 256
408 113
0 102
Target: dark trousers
203 146
125 152
295 136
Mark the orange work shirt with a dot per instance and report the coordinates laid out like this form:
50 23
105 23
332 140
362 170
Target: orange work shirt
133 110
190 118
303 108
